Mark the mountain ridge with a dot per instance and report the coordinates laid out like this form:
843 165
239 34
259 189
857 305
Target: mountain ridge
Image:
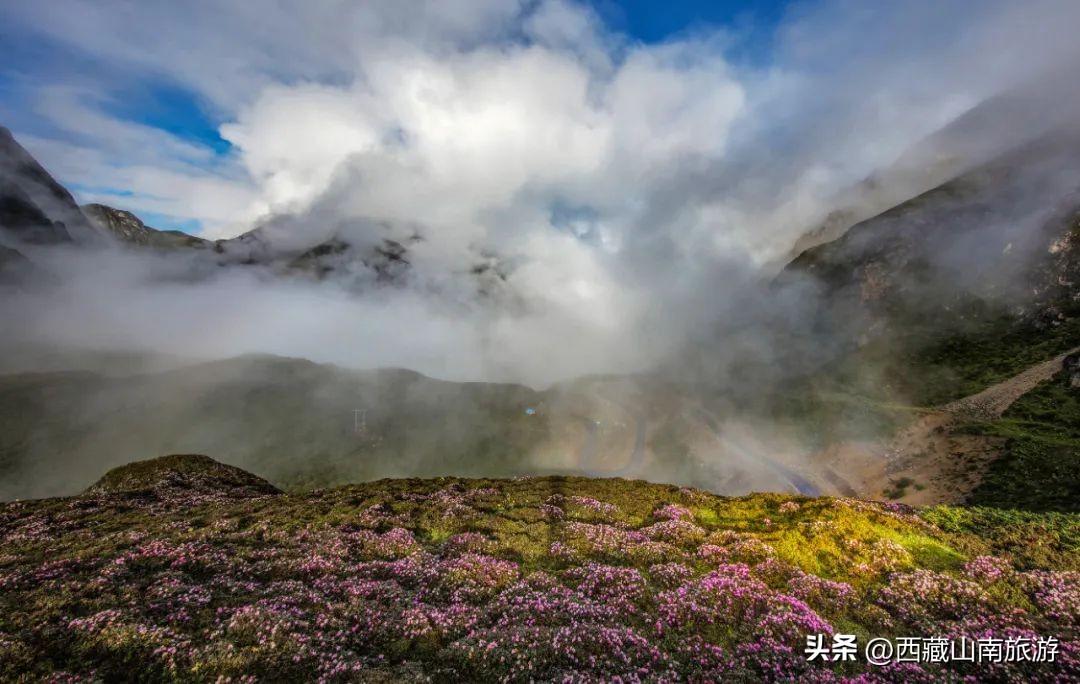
33 205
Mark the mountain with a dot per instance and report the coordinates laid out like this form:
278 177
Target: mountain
34 208
387 261
992 128
968 290
307 424
37 211
991 256
129 229
1001 233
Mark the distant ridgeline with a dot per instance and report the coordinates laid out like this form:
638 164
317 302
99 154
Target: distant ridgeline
36 211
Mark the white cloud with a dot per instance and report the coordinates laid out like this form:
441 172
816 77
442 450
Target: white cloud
476 122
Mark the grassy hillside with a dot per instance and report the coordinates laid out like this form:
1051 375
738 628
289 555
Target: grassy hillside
1040 467
159 576
953 290
306 425
300 423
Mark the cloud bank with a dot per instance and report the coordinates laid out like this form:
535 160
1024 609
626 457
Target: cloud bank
631 190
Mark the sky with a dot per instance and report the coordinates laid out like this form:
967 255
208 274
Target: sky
51 76
217 116
653 22
43 67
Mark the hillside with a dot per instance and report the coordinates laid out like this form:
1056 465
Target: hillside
962 286
947 309
314 425
974 450
992 128
542 578
301 423
1039 468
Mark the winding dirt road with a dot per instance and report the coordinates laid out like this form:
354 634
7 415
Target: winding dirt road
945 464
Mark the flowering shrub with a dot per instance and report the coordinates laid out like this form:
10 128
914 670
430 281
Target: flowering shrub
531 579
669 574
466 542
673 512
987 569
619 587
827 595
675 531
924 598
1056 595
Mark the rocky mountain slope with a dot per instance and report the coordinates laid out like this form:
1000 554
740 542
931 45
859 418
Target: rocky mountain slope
960 287
1000 238
34 208
129 229
987 131
196 577
974 284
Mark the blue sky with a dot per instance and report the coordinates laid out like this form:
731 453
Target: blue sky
652 21
152 98
218 115
149 99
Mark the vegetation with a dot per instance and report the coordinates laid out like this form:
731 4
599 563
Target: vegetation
158 577
1032 540
1040 466
968 362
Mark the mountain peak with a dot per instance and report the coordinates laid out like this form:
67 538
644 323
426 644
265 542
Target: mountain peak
33 206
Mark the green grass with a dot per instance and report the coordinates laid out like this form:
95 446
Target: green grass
968 362
1033 540
1040 467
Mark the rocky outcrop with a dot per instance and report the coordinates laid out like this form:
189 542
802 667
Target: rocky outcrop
388 261
129 229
